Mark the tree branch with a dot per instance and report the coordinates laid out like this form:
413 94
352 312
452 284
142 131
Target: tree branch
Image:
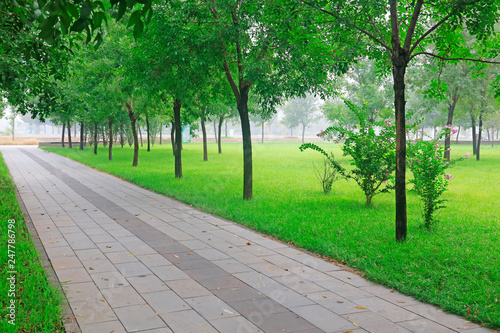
353 26
413 24
428 32
231 81
453 59
396 42
438 24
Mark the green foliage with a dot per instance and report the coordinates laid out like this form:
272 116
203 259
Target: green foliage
428 166
373 153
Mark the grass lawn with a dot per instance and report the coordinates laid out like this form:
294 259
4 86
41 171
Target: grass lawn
456 265
37 302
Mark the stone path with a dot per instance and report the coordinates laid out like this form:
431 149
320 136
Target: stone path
131 260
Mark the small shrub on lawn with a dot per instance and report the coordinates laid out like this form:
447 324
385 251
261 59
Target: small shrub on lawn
373 154
426 162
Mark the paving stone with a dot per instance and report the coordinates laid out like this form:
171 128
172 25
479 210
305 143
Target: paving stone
133 269
102 238
66 262
322 318
139 318
262 305
73 275
438 315
167 273
237 324
298 284
91 254
210 307
212 254
374 323
193 264
91 311
187 322
350 278
389 295
186 288
147 283
121 257
112 247
152 260
238 294
165 301
232 266
280 322
269 269
122 296
111 279
424 325
81 291
157 330
111 326
386 309
99 265
195 244
334 302
343 289
221 282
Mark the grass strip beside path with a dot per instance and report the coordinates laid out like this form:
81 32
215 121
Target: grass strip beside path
36 303
455 266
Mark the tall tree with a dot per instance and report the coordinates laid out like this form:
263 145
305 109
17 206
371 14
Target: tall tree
395 32
274 49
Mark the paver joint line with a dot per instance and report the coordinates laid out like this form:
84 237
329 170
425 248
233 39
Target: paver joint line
147 262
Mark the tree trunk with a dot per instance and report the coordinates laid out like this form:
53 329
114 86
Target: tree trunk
70 145
303 132
104 137
458 133
204 134
447 140
95 138
161 132
122 136
110 128
215 132
133 119
492 136
148 133
140 134
247 144
63 131
478 149
178 138
81 136
398 71
221 120
172 137
473 124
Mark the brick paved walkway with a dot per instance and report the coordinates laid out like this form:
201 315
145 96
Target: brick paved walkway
131 260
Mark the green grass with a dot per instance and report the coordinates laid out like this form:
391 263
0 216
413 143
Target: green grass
456 265
37 302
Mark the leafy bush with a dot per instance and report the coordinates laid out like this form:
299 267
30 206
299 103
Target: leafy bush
373 154
426 162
